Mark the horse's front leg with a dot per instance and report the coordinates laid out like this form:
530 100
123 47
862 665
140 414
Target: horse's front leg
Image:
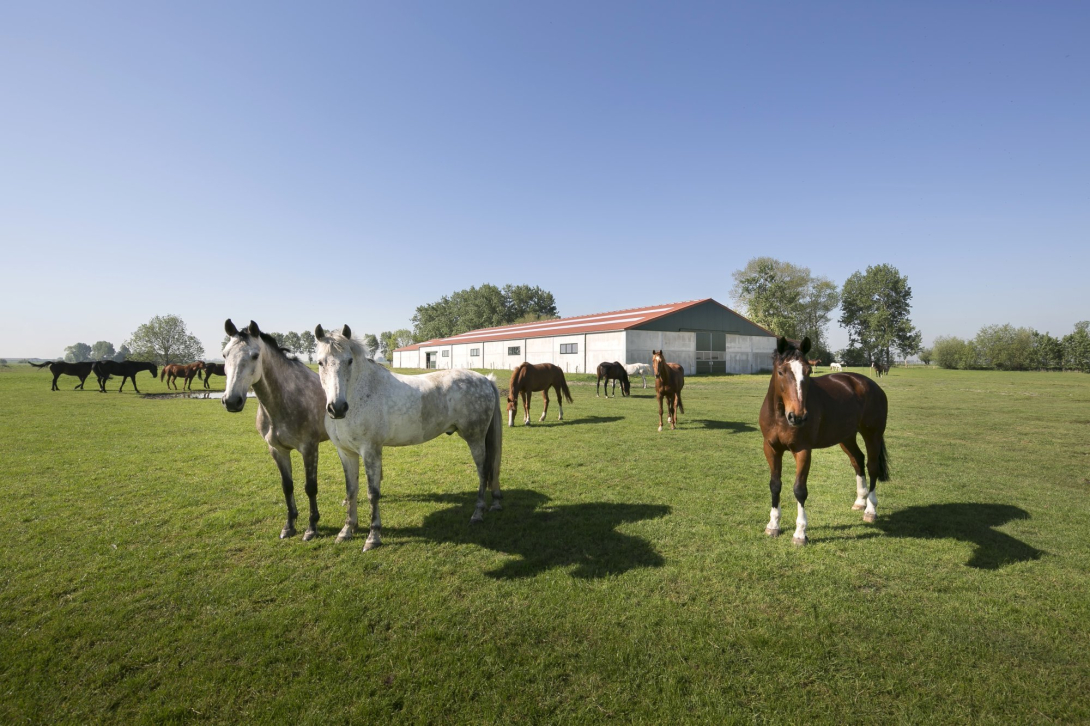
775 467
283 463
802 470
310 466
350 461
660 412
372 463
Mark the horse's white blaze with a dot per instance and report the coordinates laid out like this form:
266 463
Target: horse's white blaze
860 490
774 519
796 368
800 523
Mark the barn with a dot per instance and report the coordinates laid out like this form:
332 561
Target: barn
704 336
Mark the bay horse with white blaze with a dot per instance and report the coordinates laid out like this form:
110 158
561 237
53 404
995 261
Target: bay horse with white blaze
371 407
613 372
801 413
669 380
528 378
290 409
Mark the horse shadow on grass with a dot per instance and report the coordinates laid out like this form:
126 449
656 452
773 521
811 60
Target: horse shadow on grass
967 522
581 536
734 427
549 423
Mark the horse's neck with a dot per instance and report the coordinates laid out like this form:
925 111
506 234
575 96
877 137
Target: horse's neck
275 374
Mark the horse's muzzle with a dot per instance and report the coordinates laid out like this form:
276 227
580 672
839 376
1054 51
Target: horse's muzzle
795 420
337 410
233 404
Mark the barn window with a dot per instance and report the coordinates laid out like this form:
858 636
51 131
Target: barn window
514 350
446 353
569 348
474 352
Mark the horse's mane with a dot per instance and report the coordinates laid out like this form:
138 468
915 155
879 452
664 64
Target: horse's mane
789 353
337 342
271 342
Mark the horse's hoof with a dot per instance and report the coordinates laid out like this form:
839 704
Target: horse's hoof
857 507
287 532
344 535
309 535
799 541
371 544
496 506
772 532
477 517
869 517
660 428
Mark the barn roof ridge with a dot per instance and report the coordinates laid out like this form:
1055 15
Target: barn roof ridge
544 328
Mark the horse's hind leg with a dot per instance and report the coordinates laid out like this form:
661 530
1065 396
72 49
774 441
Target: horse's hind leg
310 466
55 388
545 399
478 449
350 460
283 463
855 456
873 442
559 403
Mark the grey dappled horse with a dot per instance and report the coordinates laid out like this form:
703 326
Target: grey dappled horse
290 409
370 407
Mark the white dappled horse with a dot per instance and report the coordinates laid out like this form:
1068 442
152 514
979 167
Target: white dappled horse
370 407
639 369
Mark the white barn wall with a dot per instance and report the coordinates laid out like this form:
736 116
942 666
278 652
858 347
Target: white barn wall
569 362
604 348
678 348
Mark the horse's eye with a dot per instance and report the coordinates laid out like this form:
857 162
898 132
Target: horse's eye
253 356
349 361
319 364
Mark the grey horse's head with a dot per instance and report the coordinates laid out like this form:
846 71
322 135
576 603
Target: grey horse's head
338 359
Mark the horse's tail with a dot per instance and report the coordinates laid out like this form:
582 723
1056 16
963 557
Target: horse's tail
564 389
493 440
163 373
41 365
883 462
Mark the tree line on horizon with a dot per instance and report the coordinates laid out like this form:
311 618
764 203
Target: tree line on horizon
1007 348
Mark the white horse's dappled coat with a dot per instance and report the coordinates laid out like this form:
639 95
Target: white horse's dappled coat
639 369
370 407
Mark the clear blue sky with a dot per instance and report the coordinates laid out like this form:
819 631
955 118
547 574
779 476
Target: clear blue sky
298 163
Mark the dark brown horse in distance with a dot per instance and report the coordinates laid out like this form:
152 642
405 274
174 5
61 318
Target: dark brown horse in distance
528 378
64 368
213 369
879 369
669 380
613 372
105 369
801 413
187 372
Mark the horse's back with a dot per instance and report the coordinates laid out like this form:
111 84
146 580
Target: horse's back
856 393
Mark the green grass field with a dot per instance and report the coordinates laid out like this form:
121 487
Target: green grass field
628 578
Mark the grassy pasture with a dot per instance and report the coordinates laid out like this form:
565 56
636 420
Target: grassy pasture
628 578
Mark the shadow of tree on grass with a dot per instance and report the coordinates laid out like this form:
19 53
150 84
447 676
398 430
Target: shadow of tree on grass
582 536
968 522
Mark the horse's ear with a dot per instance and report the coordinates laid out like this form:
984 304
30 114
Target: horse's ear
230 328
319 333
782 345
806 345
346 332
254 330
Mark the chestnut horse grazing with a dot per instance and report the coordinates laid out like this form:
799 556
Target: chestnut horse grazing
528 378
801 413
187 373
669 380
613 372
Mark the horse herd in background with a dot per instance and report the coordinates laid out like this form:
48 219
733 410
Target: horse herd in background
361 407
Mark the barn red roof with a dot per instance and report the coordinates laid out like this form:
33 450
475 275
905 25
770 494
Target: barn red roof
596 323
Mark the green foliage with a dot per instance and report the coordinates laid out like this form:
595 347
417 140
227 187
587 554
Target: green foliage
165 339
1076 348
786 299
390 341
853 357
102 350
144 580
875 308
292 342
925 356
77 353
1049 351
123 354
307 344
486 306
955 353
1006 348
371 343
